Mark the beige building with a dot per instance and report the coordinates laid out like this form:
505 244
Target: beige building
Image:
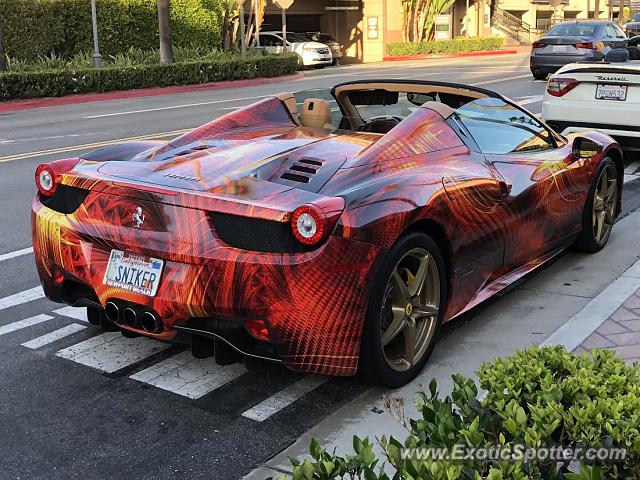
364 27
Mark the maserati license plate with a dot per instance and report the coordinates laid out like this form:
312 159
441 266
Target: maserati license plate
611 92
134 273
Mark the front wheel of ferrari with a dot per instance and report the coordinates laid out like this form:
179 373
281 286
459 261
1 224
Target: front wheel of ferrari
405 312
600 210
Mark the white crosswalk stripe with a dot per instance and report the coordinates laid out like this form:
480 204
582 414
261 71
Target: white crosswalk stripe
54 336
188 376
19 298
17 253
73 312
284 397
27 322
111 351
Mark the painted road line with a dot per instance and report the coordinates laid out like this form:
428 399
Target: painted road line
172 107
284 397
17 253
27 322
632 167
499 80
19 298
630 178
87 146
54 336
79 313
529 100
188 376
111 351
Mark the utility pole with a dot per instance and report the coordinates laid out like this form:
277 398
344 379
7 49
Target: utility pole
97 58
164 28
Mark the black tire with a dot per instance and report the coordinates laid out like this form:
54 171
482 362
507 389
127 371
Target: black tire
586 241
373 367
538 75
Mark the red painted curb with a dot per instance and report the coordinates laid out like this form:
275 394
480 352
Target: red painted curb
448 55
16 105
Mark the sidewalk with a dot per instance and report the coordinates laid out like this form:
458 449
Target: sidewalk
564 303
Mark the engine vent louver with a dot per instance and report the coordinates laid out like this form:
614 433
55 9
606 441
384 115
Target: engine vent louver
303 170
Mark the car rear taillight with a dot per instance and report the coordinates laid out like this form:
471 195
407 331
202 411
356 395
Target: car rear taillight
313 222
48 175
535 45
257 329
558 86
585 46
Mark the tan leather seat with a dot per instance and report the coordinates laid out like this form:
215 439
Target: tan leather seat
316 113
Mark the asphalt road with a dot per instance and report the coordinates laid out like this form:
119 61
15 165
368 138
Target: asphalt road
79 403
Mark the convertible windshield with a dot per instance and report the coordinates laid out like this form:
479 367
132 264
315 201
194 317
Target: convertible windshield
571 30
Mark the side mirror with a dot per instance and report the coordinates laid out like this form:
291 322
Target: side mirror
585 148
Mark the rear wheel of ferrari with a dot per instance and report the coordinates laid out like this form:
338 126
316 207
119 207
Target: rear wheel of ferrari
600 210
405 312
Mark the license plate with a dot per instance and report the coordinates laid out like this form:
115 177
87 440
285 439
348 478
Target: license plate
134 273
559 49
611 92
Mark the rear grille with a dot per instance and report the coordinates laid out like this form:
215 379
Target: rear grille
256 234
66 199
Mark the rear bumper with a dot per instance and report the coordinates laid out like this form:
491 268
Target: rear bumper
552 63
568 116
313 303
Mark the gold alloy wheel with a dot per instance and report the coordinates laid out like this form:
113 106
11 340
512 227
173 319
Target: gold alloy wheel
410 309
604 204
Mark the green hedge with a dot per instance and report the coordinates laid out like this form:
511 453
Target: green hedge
39 27
456 45
56 83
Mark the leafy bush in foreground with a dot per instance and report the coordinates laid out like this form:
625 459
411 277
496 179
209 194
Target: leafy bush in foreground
59 82
540 397
456 45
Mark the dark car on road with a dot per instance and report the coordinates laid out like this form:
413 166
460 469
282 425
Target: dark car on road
632 27
328 40
571 42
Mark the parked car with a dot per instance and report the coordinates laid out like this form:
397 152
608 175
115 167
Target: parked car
570 42
270 233
311 53
329 40
632 27
602 96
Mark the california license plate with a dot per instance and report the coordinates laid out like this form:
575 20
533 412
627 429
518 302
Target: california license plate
134 273
611 92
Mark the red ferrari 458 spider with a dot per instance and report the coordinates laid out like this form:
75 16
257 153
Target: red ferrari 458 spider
333 236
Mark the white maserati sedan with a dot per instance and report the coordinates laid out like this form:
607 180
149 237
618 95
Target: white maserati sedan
595 95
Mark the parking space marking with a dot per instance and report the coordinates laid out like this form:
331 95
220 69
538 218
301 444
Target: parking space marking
188 376
632 167
19 298
630 178
77 313
284 397
17 253
111 351
54 336
20 324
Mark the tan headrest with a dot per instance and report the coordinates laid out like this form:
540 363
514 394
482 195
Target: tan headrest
289 102
444 110
316 113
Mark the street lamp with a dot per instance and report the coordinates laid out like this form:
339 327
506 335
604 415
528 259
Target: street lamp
97 58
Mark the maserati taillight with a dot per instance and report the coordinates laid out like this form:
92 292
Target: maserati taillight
48 175
558 86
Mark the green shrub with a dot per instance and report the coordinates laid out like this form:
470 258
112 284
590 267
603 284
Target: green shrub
457 45
55 83
535 398
36 28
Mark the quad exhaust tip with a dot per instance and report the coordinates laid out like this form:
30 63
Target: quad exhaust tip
151 323
112 312
129 316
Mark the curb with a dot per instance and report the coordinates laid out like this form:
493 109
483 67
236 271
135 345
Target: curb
451 55
17 105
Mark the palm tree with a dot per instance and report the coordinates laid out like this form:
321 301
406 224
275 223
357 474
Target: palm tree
3 60
166 52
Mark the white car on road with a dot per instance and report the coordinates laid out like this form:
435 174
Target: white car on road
595 95
311 53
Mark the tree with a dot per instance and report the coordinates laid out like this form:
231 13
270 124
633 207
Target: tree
166 52
418 17
3 59
229 25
